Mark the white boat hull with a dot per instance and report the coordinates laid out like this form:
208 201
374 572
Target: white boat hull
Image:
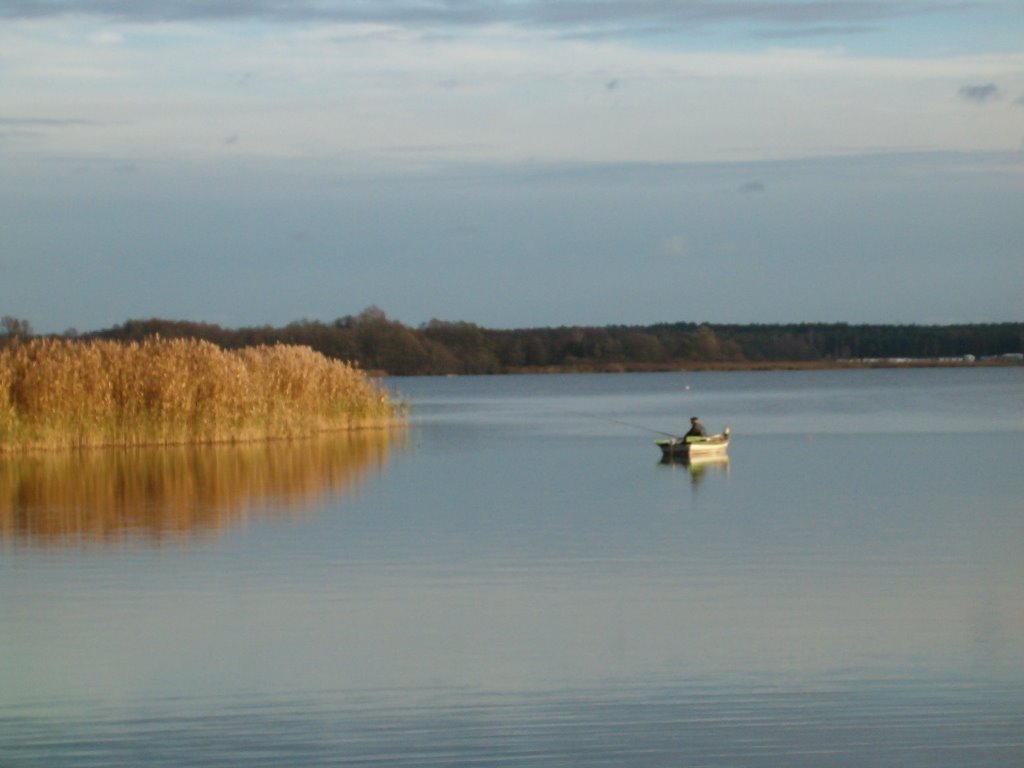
714 445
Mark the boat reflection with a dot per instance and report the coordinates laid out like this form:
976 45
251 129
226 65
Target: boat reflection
175 494
698 467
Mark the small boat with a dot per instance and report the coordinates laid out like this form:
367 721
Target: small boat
693 447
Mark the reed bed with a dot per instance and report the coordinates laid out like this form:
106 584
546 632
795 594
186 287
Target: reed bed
58 393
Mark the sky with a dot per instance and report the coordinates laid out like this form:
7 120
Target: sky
511 163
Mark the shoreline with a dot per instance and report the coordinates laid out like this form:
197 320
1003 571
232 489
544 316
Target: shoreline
767 365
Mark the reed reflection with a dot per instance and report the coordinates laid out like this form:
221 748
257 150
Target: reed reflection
177 493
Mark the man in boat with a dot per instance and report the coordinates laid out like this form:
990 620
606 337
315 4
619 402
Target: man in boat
696 428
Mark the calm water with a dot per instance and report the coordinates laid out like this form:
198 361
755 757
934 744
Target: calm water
518 581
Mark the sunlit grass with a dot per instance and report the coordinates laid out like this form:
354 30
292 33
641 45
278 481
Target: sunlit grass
56 393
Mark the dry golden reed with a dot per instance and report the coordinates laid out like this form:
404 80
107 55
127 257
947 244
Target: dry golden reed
58 393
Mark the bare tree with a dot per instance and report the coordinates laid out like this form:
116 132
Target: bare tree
14 328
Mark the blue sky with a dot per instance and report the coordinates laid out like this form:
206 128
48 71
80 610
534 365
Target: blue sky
511 163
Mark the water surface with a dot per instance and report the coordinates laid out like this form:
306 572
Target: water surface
521 581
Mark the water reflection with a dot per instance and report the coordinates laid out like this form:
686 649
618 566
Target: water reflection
698 467
179 492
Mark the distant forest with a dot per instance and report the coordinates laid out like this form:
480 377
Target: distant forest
379 344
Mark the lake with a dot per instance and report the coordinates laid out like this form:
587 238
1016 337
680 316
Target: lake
518 580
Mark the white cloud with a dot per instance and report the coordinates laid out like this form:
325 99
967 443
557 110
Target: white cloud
673 248
106 37
618 15
337 92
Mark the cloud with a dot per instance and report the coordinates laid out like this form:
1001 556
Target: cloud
33 128
980 94
816 31
42 122
673 248
630 16
499 93
106 37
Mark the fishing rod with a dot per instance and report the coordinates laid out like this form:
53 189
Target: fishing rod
624 423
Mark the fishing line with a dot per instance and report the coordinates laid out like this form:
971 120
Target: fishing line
623 423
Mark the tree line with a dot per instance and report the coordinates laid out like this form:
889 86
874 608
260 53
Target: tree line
378 343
